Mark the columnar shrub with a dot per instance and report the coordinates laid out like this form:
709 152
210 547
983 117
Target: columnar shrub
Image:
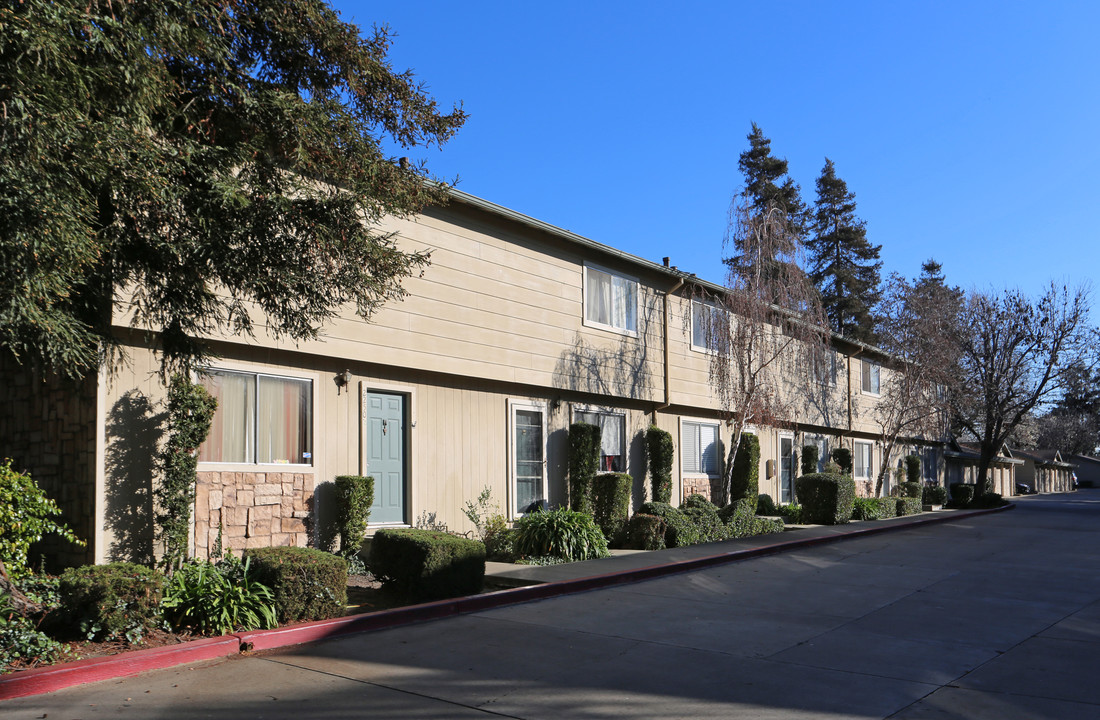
961 494
826 499
842 456
26 514
584 463
354 498
109 602
611 503
428 564
561 533
190 412
810 456
911 489
660 448
308 584
912 468
745 474
645 532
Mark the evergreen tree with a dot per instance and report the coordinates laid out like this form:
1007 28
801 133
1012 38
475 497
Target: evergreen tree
843 264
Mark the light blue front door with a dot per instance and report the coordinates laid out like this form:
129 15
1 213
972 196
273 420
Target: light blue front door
386 456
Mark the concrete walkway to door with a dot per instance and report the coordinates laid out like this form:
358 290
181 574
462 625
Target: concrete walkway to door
991 616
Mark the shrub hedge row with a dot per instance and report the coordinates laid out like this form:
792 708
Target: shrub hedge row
961 494
308 584
827 499
108 602
908 506
427 564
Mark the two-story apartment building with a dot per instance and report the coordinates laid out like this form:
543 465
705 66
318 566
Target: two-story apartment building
517 329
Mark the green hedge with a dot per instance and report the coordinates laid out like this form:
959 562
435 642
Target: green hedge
354 498
427 564
108 602
887 507
867 509
765 505
679 531
660 449
842 456
961 494
745 474
933 495
911 489
826 499
308 584
739 518
810 456
584 463
611 503
645 532
703 515
767 526
908 506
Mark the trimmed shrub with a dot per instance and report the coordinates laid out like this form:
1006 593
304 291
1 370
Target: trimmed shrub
611 503
26 514
961 494
766 526
791 513
660 449
911 489
562 533
826 499
739 518
842 456
218 598
308 584
765 505
810 456
933 495
354 497
584 463
988 500
703 515
679 531
866 509
108 602
427 564
645 532
912 468
887 507
745 474
908 506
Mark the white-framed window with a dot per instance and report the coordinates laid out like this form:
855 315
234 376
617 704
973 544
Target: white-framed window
610 300
709 327
862 459
260 419
699 448
527 463
612 437
786 468
869 377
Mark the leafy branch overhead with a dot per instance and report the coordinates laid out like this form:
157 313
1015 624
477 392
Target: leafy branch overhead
195 160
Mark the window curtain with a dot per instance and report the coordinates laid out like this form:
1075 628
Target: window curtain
231 431
611 300
612 457
284 420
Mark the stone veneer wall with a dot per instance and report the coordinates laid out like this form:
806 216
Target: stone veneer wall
709 488
48 429
252 509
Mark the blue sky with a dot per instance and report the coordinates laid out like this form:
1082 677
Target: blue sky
969 132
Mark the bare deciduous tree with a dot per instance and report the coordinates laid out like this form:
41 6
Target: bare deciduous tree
766 330
1014 354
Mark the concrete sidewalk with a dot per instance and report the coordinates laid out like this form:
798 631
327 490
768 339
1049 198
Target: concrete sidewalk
525 583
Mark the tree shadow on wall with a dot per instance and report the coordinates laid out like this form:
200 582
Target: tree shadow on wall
134 429
617 370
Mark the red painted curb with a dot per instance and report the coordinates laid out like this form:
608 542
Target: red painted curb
57 677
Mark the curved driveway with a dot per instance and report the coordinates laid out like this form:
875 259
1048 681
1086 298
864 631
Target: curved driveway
995 616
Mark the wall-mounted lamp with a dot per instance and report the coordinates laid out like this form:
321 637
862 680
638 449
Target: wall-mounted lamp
342 380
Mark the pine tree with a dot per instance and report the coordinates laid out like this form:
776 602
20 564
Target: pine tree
843 264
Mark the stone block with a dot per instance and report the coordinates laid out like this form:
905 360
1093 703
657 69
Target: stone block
214 498
262 512
281 539
292 524
268 489
236 516
245 498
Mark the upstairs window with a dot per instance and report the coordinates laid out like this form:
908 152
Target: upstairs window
870 375
259 419
709 327
825 368
610 300
612 431
700 448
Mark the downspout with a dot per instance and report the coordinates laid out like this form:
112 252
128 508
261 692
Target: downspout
668 393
